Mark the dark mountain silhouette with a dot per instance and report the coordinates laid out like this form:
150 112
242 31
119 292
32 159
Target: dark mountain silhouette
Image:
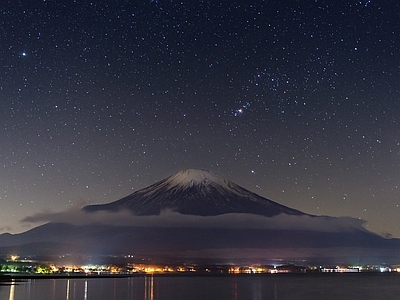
202 196
195 192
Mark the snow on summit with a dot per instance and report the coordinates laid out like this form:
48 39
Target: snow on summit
190 177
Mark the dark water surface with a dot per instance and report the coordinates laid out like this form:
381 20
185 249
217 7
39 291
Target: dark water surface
251 287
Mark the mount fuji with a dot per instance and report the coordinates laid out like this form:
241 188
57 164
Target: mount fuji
195 214
195 192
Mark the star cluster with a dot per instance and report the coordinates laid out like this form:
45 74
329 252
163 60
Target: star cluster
297 101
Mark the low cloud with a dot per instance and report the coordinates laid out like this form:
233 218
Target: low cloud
173 219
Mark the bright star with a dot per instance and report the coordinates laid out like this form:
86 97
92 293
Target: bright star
241 110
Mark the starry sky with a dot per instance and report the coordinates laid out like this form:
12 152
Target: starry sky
295 100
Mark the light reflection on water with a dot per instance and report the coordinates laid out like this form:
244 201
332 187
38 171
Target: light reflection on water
149 288
299 287
67 298
86 290
12 291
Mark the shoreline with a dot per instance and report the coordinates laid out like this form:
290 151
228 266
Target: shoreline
9 279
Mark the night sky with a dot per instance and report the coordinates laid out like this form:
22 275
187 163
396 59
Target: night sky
297 101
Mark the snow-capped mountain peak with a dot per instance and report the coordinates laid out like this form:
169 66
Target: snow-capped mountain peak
195 192
190 177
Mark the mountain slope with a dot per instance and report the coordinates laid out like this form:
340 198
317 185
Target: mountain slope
195 192
250 245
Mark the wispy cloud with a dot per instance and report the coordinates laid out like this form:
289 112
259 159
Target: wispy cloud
174 219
